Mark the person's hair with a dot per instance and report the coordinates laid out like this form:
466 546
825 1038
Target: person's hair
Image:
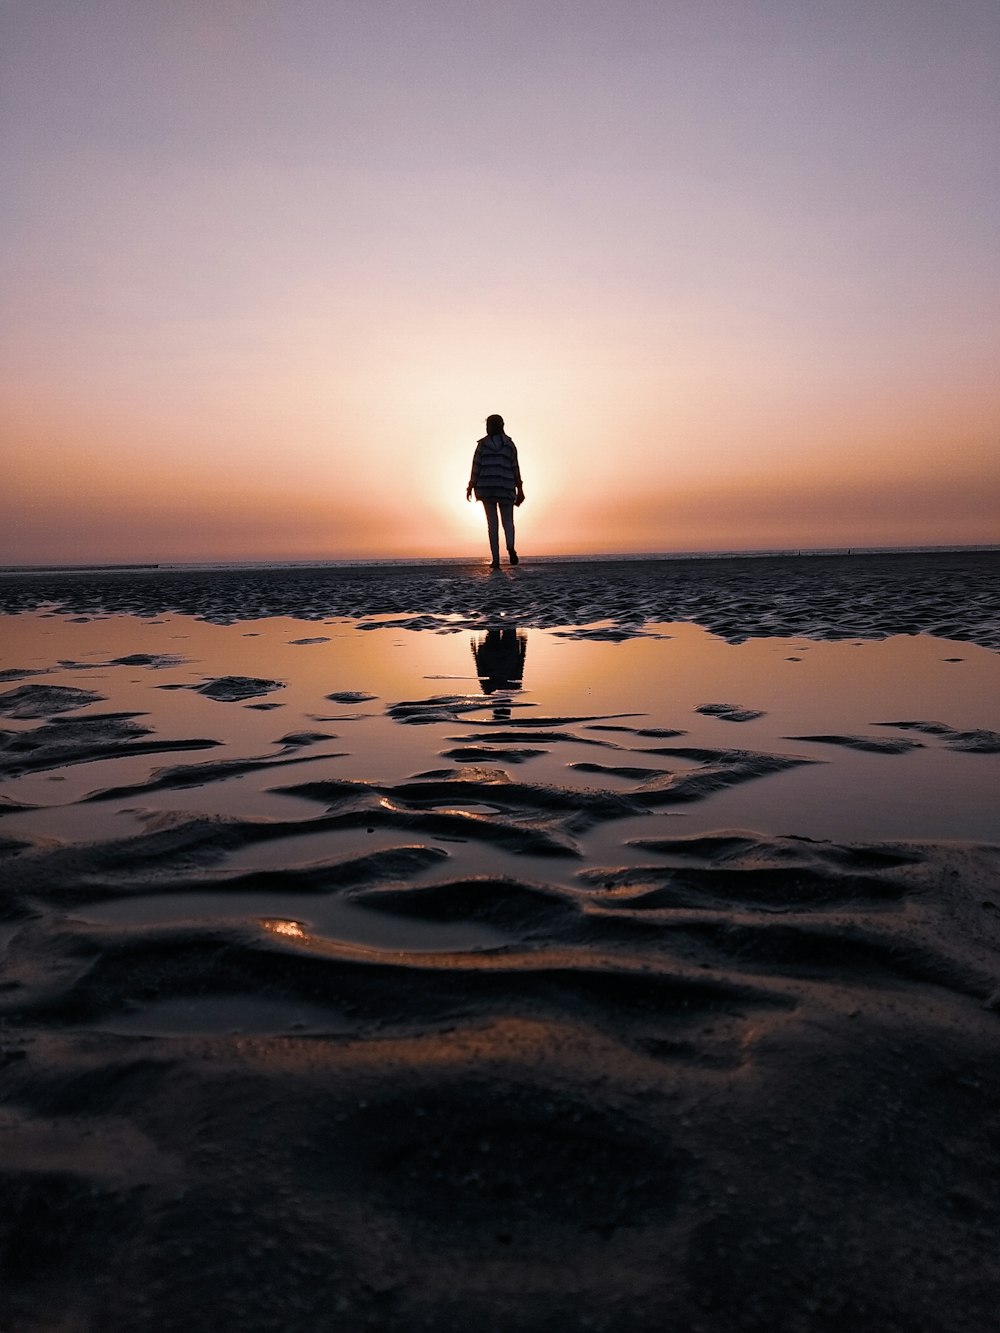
494 424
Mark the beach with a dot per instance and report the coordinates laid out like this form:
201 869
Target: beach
593 944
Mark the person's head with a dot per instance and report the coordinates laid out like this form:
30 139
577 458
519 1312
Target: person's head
494 424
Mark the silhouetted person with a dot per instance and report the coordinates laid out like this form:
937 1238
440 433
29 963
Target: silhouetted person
496 479
500 664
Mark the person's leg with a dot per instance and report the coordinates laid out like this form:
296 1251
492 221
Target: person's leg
493 528
507 515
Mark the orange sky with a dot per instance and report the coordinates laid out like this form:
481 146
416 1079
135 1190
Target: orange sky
729 272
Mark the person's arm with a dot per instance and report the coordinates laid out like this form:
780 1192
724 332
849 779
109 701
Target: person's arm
519 492
472 474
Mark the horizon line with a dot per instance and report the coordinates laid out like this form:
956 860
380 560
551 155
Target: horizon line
792 552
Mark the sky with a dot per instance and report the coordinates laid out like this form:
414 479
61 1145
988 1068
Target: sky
729 269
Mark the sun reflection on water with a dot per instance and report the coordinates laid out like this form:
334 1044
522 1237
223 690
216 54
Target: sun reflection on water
280 927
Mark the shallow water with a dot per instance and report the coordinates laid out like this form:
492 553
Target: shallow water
800 687
559 715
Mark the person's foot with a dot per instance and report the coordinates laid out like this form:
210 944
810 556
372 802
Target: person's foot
513 557
494 564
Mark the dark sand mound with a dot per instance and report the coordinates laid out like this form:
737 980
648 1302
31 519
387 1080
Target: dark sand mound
81 740
872 744
950 594
231 689
444 708
659 732
730 712
155 660
486 754
634 772
300 738
981 741
548 737
31 701
196 775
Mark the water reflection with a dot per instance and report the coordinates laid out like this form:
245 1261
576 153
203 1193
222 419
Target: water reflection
796 688
282 927
499 657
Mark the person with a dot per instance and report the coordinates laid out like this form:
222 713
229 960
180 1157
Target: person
496 480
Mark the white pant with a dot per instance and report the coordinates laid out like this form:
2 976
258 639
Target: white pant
493 520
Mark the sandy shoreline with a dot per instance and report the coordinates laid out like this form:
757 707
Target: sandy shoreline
502 976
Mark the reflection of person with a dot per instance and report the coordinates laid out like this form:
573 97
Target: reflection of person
500 659
496 479
500 664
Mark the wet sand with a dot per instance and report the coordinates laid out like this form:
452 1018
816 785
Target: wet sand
529 979
949 594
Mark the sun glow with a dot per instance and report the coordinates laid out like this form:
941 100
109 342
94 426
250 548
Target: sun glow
260 306
288 928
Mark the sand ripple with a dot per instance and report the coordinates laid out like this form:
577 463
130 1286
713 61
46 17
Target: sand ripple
80 740
952 595
980 741
31 701
692 1065
465 1050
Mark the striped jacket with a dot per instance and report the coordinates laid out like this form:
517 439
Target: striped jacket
495 471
